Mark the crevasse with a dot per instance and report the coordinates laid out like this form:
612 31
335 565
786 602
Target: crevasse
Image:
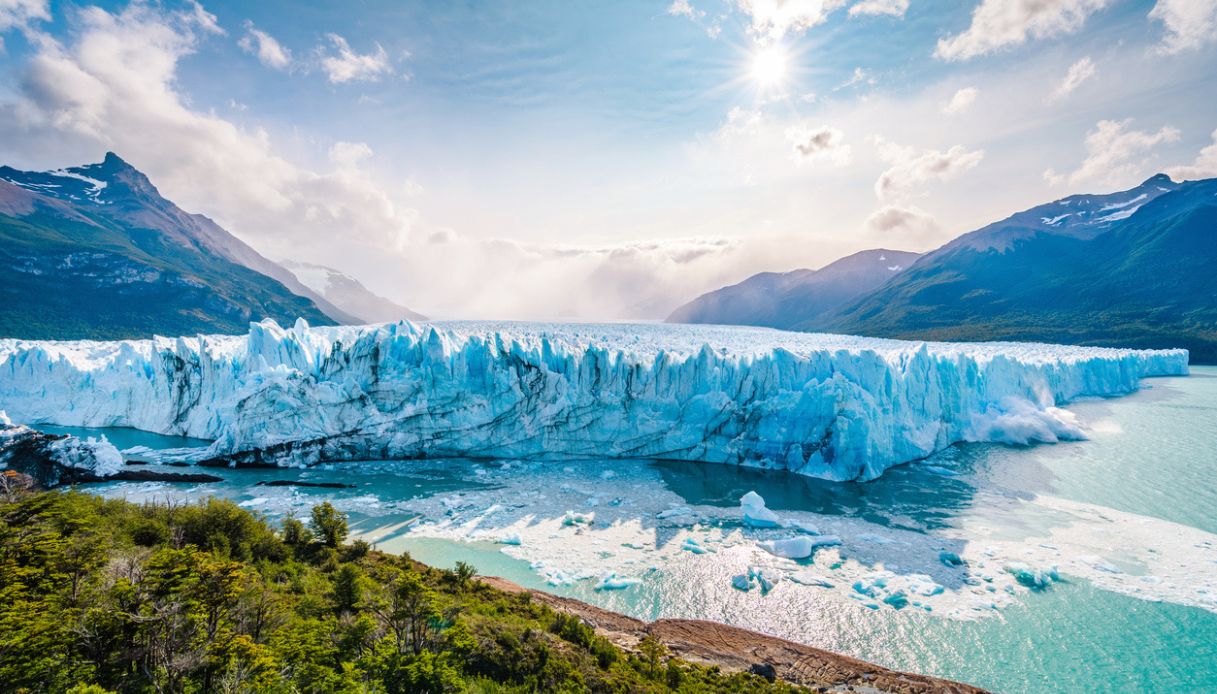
831 406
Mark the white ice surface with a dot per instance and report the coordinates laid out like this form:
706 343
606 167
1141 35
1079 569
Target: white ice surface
831 406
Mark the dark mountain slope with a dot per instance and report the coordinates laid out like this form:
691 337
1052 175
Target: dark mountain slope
796 298
96 252
1137 269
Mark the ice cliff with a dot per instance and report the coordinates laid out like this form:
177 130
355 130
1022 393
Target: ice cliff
831 406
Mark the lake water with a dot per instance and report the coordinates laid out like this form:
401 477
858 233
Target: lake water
1087 566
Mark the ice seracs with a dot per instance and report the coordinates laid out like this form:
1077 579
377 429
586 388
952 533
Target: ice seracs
831 406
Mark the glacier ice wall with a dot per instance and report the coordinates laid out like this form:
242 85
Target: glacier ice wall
831 406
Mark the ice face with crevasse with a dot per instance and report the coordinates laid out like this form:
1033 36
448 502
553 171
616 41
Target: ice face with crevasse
830 406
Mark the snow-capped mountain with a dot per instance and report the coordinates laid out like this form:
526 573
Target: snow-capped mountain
349 294
1132 268
95 250
796 298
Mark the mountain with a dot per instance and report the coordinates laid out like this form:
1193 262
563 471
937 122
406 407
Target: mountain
96 252
349 294
1136 268
800 298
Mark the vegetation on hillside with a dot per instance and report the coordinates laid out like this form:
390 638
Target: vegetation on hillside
104 595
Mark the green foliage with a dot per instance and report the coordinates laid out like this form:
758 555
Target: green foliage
99 595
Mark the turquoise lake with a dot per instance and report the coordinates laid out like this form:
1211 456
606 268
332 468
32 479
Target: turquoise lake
1126 522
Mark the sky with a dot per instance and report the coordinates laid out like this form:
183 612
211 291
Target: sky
574 160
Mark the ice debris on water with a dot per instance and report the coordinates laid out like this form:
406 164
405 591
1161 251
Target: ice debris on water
692 545
800 547
510 539
755 514
1035 579
755 578
612 581
950 558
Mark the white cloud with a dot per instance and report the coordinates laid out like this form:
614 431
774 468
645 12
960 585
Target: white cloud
20 14
1115 155
819 144
261 44
1078 73
1205 165
895 8
961 101
773 19
348 66
998 24
911 168
860 76
1188 23
682 8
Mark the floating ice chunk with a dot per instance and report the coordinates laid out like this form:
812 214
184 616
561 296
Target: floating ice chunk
805 527
608 475
576 519
950 558
692 545
806 578
1035 579
755 514
612 581
897 600
675 512
742 582
800 547
510 539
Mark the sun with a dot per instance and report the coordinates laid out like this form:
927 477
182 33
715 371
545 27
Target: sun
769 66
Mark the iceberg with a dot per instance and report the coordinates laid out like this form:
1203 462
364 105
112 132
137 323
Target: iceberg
800 547
756 515
830 406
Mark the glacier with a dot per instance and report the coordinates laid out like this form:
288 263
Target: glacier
831 406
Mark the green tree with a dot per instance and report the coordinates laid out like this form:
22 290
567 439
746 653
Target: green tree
329 524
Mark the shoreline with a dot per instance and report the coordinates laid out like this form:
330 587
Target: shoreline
734 649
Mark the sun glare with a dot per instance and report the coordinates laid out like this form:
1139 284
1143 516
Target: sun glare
769 66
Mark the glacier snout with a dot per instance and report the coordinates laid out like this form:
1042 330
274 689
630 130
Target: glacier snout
836 407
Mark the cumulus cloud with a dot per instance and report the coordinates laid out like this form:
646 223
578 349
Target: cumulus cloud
348 66
261 44
774 19
1115 154
1188 23
910 168
895 8
1078 73
20 14
961 101
1205 165
821 143
998 24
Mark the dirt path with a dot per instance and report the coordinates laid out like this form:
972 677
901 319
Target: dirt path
732 648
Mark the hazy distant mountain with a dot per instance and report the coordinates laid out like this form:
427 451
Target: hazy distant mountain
1136 268
349 294
796 299
95 251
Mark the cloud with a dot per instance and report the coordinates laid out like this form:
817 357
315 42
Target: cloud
682 8
1114 154
20 14
1205 165
1078 73
911 222
349 66
859 76
895 8
999 24
961 101
1188 23
773 19
261 44
911 168
819 144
